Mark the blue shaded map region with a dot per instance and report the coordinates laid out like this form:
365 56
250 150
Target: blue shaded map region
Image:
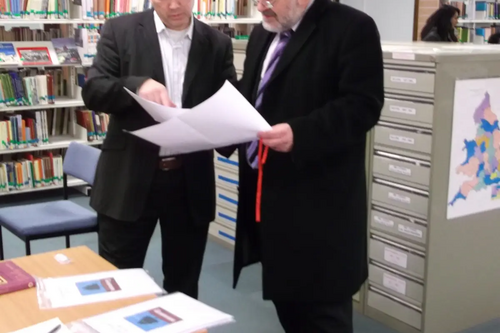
147 321
481 160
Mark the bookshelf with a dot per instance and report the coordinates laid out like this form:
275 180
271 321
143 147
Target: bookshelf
479 20
53 125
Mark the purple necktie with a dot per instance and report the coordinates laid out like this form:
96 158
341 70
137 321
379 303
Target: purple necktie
252 148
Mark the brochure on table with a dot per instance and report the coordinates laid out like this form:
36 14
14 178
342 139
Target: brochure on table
174 313
97 287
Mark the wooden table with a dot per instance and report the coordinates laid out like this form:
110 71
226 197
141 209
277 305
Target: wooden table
20 309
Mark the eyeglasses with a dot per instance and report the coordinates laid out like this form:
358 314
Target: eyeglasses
267 3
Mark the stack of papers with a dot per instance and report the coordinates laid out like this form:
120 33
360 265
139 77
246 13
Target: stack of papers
96 287
224 119
174 313
49 326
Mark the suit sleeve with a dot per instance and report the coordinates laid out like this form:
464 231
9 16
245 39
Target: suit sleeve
103 91
345 119
229 74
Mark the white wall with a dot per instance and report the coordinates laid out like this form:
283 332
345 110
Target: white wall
394 18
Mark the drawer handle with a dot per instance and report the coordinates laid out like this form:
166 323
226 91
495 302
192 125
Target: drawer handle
401 187
377 209
413 129
229 180
395 272
395 299
398 246
402 158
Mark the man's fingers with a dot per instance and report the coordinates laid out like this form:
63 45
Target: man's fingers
165 99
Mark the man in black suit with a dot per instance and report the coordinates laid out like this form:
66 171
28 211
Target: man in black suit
314 71
166 56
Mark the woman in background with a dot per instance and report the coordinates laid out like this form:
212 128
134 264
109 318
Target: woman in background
440 26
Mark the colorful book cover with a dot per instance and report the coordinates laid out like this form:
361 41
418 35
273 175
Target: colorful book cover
8 54
34 55
14 278
66 50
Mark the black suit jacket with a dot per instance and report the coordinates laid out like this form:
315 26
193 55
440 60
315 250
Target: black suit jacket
128 53
328 85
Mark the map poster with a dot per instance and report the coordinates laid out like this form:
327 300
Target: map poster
474 181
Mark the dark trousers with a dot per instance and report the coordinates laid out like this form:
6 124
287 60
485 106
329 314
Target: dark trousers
124 244
304 317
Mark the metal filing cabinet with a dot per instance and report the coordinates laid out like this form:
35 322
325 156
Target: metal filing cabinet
417 281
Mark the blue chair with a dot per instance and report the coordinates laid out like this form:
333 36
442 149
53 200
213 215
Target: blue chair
55 218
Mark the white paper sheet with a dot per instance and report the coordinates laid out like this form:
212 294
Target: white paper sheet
97 287
45 327
159 112
224 119
174 313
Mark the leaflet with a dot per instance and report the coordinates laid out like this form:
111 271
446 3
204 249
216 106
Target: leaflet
96 287
173 313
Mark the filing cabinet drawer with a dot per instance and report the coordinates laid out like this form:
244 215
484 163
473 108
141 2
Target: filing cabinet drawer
356 297
397 256
415 112
239 75
391 307
400 227
239 60
221 232
226 199
225 217
409 81
400 198
409 171
408 138
230 164
396 284
227 180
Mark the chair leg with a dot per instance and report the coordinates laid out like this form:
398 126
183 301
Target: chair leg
28 247
1 244
67 242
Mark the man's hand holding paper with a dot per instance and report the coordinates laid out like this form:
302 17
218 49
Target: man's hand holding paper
224 119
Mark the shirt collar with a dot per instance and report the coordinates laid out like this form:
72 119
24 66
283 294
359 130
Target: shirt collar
160 26
294 28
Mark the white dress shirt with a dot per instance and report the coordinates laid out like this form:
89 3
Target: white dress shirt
174 47
275 41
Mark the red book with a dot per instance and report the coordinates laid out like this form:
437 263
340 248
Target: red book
14 278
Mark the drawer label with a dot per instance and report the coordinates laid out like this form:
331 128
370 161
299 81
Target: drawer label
400 198
401 79
402 109
383 221
402 139
403 55
400 170
395 257
410 231
394 283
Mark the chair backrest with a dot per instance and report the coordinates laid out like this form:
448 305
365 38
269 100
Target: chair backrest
80 161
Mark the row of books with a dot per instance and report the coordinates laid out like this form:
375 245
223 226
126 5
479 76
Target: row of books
103 9
222 9
484 10
96 124
34 9
31 171
36 128
26 34
477 35
23 88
